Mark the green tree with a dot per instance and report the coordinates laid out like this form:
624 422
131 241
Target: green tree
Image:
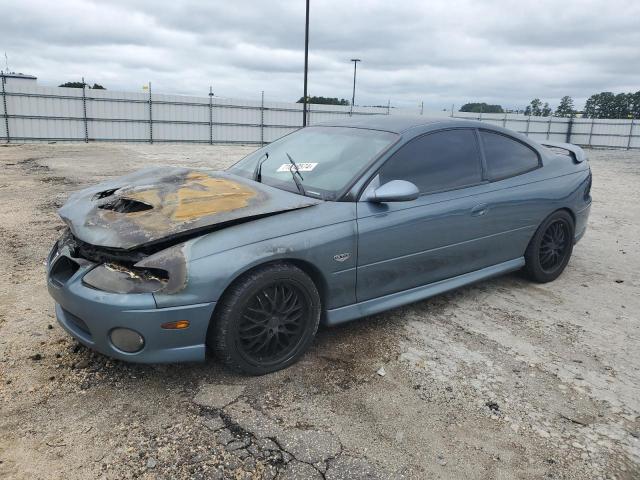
634 104
481 108
534 108
325 101
622 105
610 105
602 105
591 106
565 109
546 110
72 85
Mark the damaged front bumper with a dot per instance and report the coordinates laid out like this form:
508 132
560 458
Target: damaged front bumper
91 315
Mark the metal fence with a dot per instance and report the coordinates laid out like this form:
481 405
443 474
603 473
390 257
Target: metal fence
587 132
33 113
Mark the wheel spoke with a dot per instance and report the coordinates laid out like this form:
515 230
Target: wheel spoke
250 336
259 311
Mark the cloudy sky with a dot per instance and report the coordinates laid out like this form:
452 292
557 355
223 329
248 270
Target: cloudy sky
441 52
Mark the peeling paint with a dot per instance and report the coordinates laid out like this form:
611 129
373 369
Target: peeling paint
194 196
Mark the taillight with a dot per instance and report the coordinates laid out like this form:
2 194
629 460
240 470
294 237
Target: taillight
587 190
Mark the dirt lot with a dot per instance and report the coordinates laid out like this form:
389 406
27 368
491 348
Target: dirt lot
504 379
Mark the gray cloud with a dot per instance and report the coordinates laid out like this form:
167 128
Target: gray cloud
440 52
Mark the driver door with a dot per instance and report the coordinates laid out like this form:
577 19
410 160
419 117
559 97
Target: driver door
441 234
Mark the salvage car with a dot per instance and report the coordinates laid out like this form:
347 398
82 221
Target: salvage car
328 224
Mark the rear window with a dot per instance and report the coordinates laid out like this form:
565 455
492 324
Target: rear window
506 156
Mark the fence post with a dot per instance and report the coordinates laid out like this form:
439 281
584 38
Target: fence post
84 112
593 120
526 132
3 80
150 116
569 128
549 128
210 115
262 119
422 108
388 106
630 135
452 110
504 120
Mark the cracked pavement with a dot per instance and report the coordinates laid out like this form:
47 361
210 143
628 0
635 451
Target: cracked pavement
502 379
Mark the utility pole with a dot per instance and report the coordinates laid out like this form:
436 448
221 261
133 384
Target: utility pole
355 68
84 111
210 115
306 66
150 115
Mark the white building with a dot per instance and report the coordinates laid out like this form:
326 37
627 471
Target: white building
12 78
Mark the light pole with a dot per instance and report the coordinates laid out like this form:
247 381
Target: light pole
355 67
306 66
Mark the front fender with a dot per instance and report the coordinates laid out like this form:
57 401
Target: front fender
209 276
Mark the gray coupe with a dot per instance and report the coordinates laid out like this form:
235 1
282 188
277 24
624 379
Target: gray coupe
328 224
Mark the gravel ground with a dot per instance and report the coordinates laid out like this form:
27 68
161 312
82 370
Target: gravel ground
503 379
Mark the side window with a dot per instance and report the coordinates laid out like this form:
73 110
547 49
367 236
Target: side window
506 157
437 161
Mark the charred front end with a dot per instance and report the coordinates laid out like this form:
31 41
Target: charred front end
127 246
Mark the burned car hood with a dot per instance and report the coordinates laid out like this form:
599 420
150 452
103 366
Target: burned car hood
155 204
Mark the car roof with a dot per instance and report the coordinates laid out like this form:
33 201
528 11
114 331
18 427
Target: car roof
399 123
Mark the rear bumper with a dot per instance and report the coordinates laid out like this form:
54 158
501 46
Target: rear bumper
582 219
89 315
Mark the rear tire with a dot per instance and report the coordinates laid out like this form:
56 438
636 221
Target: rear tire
266 320
550 249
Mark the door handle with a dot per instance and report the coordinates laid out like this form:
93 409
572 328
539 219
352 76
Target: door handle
479 210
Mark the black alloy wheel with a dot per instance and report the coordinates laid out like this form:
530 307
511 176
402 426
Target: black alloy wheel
550 248
266 319
554 246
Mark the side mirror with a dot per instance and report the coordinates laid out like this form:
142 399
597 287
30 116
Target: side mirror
394 191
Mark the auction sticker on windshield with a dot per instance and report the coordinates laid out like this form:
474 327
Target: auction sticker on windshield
302 167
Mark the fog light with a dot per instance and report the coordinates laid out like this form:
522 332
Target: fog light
126 340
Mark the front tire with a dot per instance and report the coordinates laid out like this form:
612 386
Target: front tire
550 248
266 320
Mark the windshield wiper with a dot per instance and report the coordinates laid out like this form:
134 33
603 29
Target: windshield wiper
293 174
257 172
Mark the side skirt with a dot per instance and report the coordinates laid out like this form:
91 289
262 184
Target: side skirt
393 300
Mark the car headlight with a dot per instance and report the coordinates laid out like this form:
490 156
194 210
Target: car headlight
165 270
112 277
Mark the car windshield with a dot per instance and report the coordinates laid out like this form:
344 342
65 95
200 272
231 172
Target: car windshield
327 159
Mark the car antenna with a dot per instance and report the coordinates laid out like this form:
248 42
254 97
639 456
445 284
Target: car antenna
257 173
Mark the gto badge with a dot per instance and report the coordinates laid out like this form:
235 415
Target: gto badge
342 257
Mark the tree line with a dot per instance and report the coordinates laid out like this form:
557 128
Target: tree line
326 101
598 105
610 105
80 85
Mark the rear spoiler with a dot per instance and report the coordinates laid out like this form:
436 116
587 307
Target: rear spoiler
575 152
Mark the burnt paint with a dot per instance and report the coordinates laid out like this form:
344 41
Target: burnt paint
182 200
